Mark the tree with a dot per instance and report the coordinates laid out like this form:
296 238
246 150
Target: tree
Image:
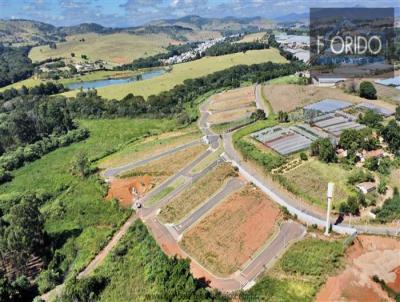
371 119
25 235
324 149
397 114
283 117
391 134
81 165
258 115
367 90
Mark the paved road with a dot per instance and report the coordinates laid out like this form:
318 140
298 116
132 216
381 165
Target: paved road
118 170
234 184
289 232
185 172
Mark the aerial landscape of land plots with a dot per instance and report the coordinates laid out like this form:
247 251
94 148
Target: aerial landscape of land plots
205 163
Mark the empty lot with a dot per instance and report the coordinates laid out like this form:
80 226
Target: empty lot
196 194
227 237
310 181
287 97
232 99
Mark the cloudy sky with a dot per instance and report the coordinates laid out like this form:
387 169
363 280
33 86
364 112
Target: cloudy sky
137 12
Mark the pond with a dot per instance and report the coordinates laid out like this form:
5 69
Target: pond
108 82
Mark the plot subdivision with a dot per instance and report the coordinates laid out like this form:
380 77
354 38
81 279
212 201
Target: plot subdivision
225 239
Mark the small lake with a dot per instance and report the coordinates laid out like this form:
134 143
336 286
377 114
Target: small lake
108 82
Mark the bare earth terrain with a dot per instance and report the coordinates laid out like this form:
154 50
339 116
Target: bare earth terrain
287 97
232 99
369 256
226 238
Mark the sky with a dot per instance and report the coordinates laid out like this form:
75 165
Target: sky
122 13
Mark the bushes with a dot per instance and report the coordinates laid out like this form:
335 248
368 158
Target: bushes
367 90
312 257
390 210
268 161
359 176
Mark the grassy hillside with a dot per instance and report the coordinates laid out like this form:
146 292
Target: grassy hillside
189 70
79 217
116 48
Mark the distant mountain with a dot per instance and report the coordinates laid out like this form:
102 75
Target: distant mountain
22 32
225 24
293 17
28 32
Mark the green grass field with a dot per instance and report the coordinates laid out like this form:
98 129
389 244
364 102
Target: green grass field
116 48
189 70
80 213
299 273
313 187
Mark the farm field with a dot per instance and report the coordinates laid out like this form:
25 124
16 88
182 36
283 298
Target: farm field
395 178
310 181
167 165
189 70
116 48
232 99
227 237
79 213
287 97
299 273
231 115
252 37
196 194
151 146
369 256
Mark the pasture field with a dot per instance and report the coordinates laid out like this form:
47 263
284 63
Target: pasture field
299 273
188 70
288 97
116 48
252 37
79 214
225 239
196 194
232 99
151 146
310 181
290 79
395 178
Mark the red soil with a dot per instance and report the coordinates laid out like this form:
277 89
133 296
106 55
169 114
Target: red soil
121 189
369 256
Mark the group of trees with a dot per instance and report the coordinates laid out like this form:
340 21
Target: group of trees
170 278
355 141
371 119
27 120
391 135
15 64
324 149
172 102
224 48
42 89
22 236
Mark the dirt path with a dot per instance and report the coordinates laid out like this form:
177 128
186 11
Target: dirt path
107 249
